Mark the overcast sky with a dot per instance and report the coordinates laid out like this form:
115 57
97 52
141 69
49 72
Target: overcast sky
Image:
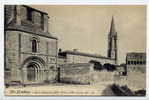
86 28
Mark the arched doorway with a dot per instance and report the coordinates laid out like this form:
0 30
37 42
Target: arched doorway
33 70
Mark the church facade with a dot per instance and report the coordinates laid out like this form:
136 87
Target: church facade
30 50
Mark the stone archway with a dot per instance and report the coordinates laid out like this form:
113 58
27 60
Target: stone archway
33 70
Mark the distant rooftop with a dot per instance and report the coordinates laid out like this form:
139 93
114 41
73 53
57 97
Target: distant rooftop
63 53
136 55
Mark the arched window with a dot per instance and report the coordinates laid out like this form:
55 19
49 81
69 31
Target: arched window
34 45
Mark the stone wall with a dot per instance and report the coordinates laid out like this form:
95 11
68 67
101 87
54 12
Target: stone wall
85 59
38 19
84 73
61 60
18 49
136 78
9 13
120 80
22 25
103 77
76 73
11 55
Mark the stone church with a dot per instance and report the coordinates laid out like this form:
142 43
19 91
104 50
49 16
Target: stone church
30 50
31 55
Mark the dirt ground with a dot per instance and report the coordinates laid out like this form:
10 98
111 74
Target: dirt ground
60 90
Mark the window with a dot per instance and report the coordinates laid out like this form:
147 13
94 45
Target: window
42 22
128 62
141 62
135 62
34 45
132 62
29 14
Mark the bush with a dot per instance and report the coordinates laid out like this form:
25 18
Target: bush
140 93
109 67
97 65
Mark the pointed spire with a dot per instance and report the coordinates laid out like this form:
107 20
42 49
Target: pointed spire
112 28
112 39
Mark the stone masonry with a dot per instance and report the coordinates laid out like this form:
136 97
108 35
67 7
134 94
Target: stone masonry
30 50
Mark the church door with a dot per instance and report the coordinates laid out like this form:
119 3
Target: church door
31 75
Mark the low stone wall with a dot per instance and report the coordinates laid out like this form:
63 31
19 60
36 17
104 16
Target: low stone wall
103 77
120 80
136 78
84 73
79 73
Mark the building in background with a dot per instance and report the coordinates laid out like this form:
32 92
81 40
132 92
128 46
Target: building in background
72 57
136 59
136 70
75 56
30 50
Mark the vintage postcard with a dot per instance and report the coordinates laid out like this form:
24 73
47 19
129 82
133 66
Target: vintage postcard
75 50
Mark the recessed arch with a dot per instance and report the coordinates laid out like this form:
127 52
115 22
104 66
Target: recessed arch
33 69
34 59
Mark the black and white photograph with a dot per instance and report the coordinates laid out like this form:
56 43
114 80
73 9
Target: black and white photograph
75 50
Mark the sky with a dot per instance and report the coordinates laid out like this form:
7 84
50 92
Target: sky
86 27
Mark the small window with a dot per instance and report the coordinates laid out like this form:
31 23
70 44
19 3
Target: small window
137 62
42 22
132 62
140 62
128 62
34 45
29 14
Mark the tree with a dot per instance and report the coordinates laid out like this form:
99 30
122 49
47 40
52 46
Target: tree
97 65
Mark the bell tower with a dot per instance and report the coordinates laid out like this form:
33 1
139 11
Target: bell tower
112 42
